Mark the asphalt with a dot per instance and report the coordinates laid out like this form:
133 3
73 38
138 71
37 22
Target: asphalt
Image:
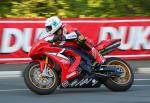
14 90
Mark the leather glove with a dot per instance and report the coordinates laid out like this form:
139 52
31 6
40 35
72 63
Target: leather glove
81 38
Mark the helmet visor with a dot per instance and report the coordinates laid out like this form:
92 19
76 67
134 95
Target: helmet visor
48 28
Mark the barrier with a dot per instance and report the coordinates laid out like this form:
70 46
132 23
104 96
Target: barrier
18 35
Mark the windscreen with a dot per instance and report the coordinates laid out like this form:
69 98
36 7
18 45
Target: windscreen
45 36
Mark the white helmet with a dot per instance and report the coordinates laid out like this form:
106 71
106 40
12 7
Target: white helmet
52 24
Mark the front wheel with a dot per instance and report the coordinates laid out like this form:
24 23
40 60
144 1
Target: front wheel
123 82
38 83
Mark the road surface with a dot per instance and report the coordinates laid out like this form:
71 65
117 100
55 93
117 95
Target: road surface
13 90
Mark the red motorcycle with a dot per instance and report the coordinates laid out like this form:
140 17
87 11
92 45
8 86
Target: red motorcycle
51 67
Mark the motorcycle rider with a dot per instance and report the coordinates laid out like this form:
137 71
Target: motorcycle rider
65 35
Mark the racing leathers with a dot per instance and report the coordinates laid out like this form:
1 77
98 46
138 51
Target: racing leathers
71 37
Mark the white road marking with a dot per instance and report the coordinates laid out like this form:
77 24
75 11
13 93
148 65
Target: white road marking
141 85
11 90
143 70
141 79
10 59
4 74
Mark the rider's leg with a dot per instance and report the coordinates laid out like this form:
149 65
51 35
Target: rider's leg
76 63
84 57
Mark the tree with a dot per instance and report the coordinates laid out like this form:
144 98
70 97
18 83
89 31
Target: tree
74 8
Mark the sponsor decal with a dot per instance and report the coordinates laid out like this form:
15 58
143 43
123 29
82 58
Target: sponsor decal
64 61
72 35
94 82
86 81
82 82
74 83
71 74
14 39
133 37
65 84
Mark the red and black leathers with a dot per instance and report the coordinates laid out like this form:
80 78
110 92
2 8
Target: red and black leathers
71 37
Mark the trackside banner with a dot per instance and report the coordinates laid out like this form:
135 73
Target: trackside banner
17 35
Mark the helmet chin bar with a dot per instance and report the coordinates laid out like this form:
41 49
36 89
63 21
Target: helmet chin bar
56 32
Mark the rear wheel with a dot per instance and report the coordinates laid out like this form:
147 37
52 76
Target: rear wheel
37 83
123 82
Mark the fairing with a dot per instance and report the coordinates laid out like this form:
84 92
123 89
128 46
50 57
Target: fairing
43 48
105 43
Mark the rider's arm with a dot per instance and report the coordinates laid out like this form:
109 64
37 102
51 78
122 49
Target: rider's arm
70 36
75 35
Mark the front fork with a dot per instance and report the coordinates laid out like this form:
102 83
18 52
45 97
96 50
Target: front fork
45 71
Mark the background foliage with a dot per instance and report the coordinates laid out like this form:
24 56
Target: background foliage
74 8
